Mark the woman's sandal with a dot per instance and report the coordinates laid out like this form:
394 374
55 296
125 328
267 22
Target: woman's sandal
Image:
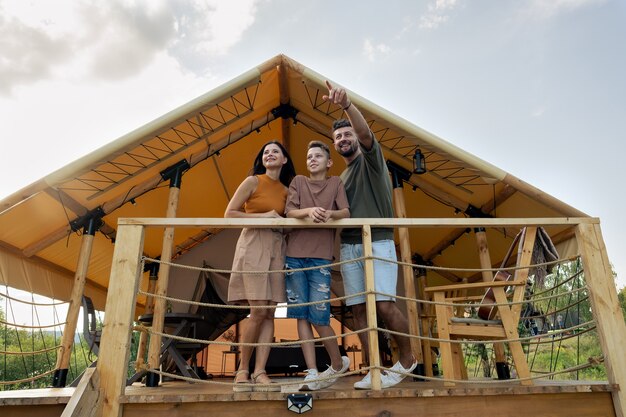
263 384
243 385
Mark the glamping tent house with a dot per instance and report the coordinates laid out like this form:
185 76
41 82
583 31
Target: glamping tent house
58 235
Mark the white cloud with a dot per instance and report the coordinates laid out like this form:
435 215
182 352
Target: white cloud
438 14
373 52
209 28
543 9
116 39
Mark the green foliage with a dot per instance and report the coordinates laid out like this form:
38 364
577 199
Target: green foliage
621 296
562 294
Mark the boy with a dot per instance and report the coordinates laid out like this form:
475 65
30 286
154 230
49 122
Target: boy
319 198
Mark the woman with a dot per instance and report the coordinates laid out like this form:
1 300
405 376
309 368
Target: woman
263 194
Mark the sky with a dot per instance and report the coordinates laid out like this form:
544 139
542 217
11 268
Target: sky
535 87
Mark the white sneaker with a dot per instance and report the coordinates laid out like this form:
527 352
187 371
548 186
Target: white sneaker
390 378
345 364
365 383
387 379
309 385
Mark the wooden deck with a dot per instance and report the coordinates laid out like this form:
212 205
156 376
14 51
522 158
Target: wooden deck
175 398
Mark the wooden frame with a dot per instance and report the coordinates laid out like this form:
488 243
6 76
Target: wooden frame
126 272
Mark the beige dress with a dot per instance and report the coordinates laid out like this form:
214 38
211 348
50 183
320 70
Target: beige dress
260 250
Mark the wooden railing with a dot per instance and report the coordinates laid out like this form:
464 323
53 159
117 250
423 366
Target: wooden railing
126 272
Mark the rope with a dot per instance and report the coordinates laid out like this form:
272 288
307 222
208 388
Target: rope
31 302
24 326
511 303
271 271
245 307
363 258
482 341
561 283
451 269
149 330
273 384
35 352
31 379
591 362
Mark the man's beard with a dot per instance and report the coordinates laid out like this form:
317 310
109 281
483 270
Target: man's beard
349 152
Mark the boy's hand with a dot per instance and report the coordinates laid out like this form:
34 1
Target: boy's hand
318 214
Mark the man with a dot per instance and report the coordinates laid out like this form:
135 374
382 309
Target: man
368 187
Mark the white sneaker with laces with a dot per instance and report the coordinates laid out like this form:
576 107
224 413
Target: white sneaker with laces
345 364
308 384
389 378
365 383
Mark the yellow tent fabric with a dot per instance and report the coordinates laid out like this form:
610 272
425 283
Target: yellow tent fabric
219 134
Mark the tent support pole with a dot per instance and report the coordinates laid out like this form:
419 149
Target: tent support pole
174 174
412 308
65 351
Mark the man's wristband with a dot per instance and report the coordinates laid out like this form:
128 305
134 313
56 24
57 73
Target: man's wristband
347 107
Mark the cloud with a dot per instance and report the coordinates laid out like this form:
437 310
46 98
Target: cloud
438 14
27 54
113 40
373 52
209 28
542 9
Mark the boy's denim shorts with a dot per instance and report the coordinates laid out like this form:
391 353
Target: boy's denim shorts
307 286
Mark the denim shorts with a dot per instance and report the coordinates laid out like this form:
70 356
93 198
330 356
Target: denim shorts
385 273
307 286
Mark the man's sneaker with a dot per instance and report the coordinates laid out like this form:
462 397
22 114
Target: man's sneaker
389 379
365 383
308 384
325 383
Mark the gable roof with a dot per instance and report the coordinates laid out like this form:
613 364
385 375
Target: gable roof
218 134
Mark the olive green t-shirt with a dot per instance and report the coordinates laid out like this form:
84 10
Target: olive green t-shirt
368 187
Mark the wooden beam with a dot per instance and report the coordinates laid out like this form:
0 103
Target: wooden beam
431 222
408 275
154 349
78 289
118 321
605 308
370 303
86 397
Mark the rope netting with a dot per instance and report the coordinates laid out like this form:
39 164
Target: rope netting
546 303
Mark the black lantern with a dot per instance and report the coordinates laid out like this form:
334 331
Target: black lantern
419 162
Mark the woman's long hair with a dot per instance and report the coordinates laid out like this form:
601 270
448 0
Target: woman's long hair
287 172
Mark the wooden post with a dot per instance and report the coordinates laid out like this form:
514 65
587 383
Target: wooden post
370 306
154 350
143 337
502 368
409 282
606 309
118 321
65 351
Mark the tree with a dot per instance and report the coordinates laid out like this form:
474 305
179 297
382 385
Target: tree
621 296
16 366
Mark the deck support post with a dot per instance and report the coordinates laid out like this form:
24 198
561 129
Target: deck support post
370 308
605 308
118 322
